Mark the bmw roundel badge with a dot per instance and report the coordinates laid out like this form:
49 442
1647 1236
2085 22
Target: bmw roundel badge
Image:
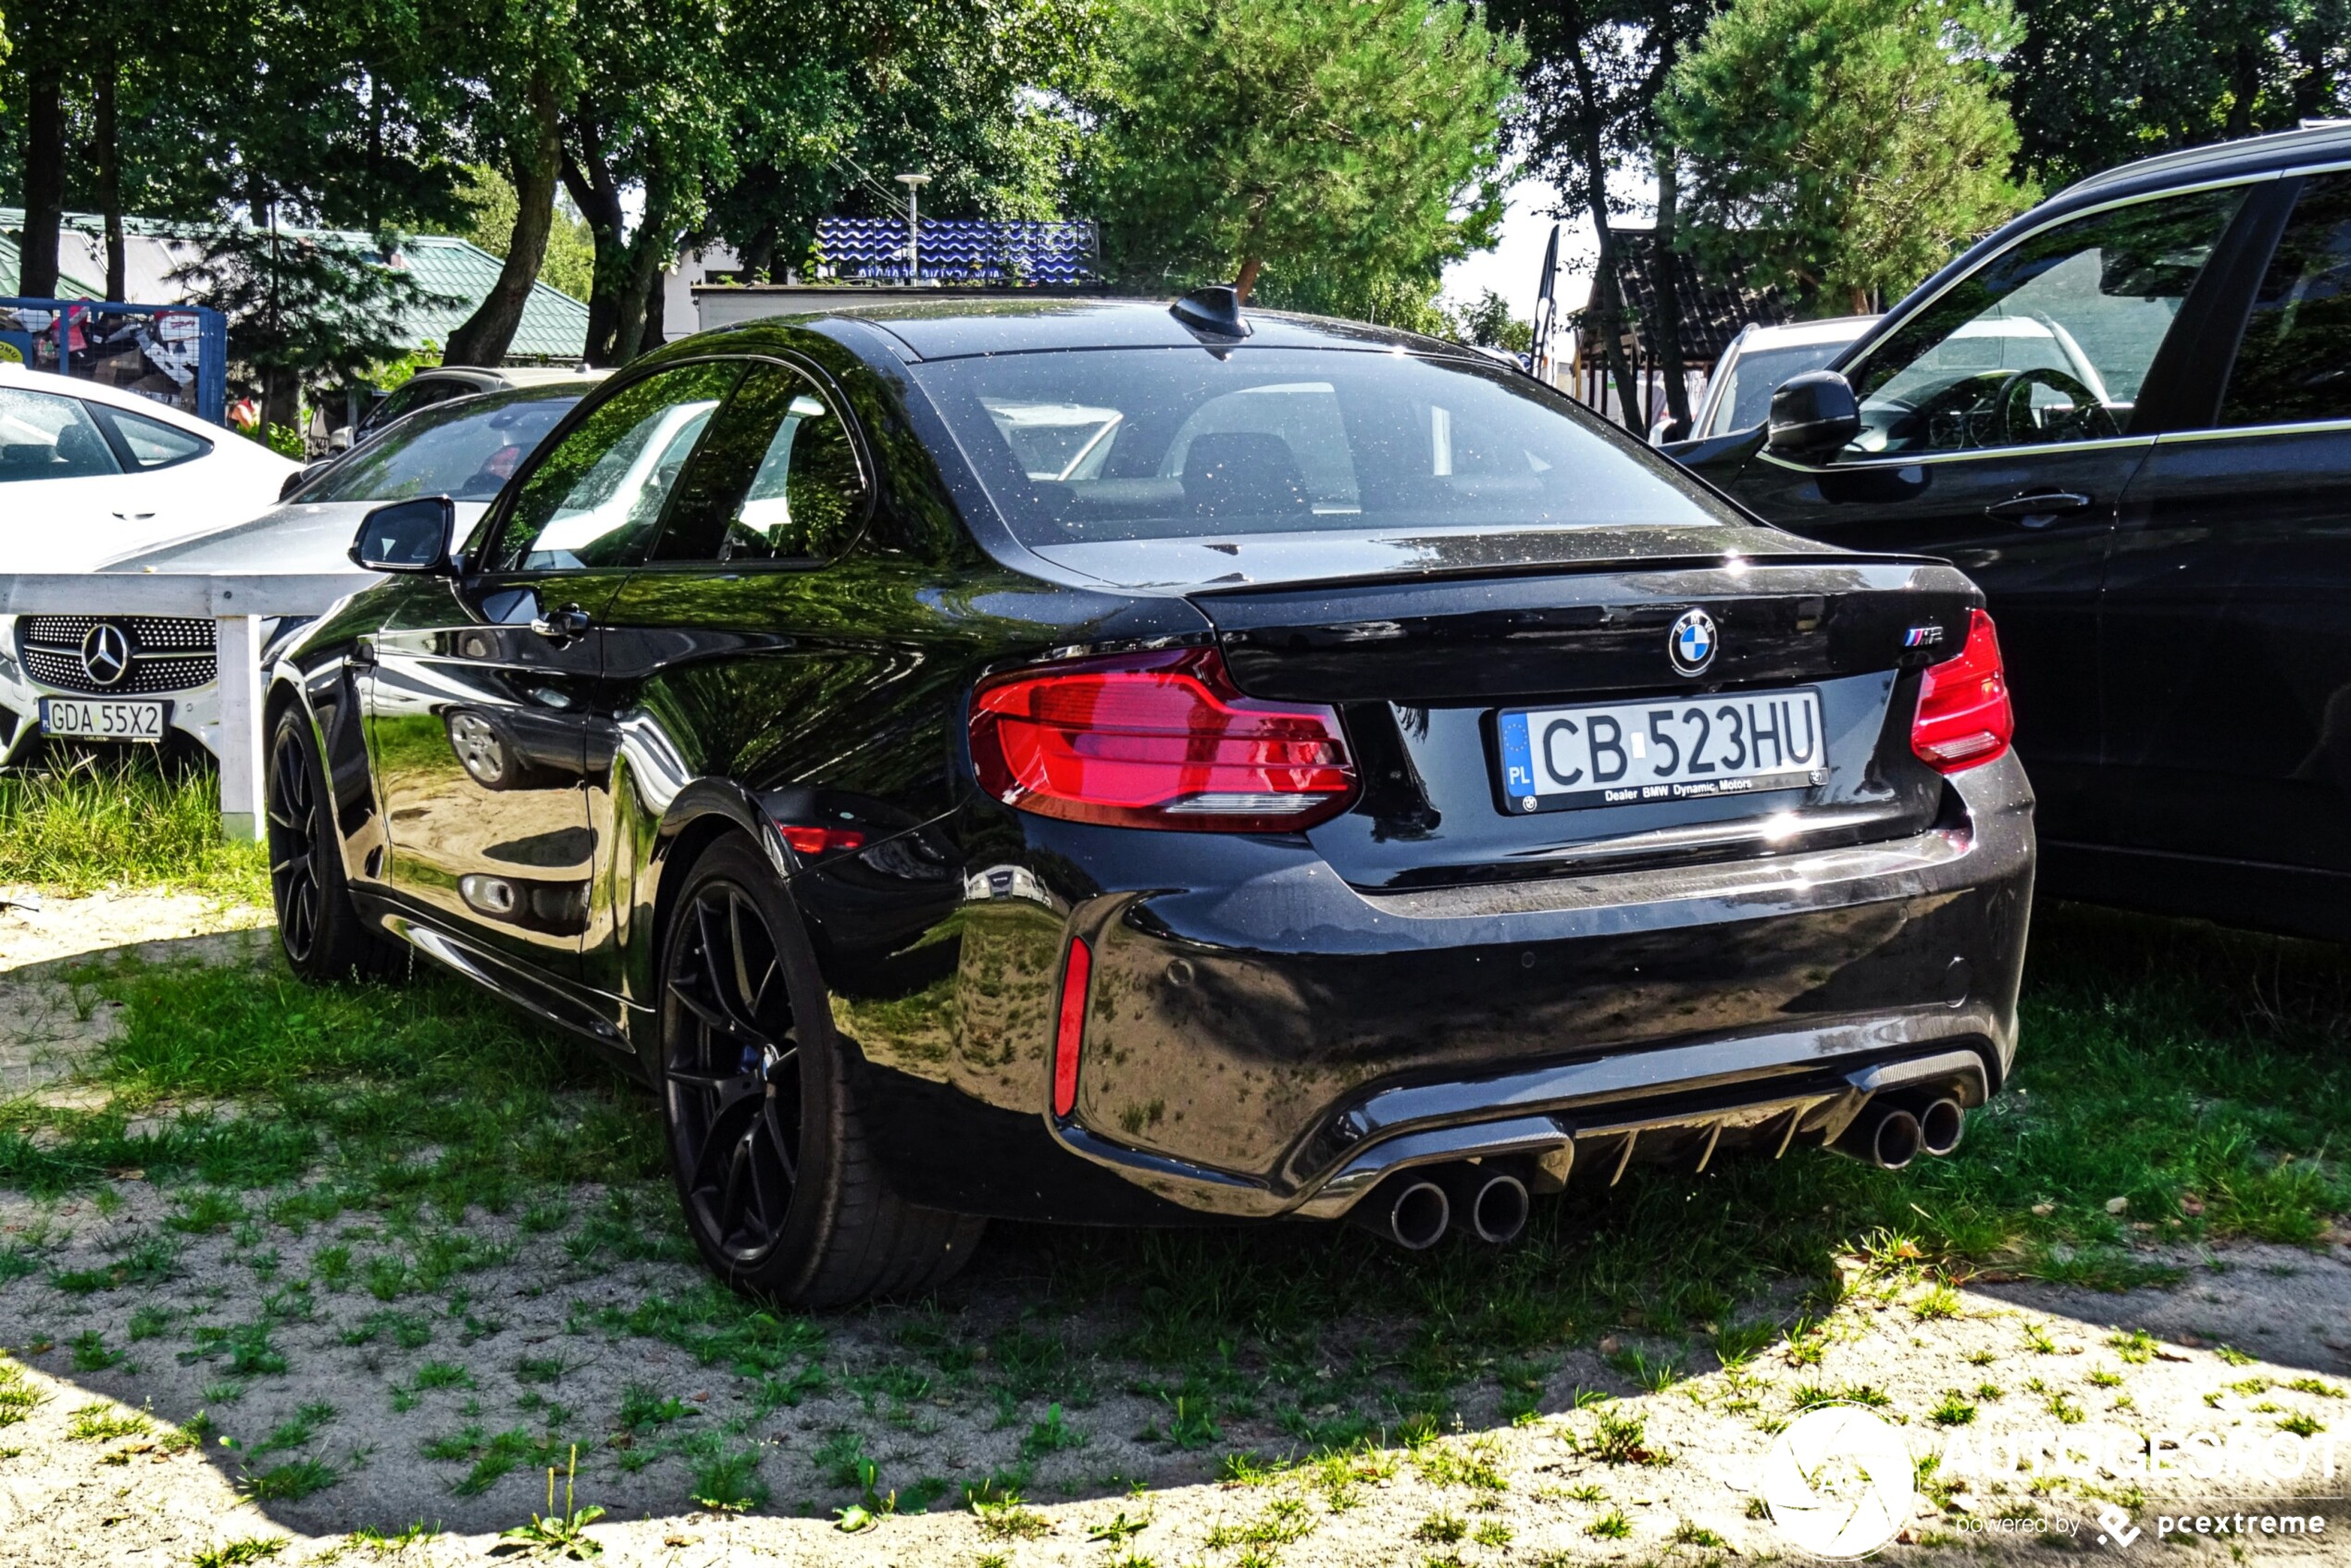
1691 642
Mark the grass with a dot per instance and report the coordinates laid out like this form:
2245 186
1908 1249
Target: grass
83 826
2161 1063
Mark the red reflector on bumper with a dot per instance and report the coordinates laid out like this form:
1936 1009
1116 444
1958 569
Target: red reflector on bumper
821 840
1071 1034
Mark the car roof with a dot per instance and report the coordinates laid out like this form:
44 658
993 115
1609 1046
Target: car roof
2315 141
113 397
1793 334
952 329
547 375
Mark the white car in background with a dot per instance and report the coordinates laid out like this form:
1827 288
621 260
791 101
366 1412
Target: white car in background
466 450
89 473
1739 395
1760 359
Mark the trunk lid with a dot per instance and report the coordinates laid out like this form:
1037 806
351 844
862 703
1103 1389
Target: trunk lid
1425 663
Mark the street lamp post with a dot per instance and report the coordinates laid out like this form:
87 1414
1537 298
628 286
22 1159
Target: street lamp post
914 183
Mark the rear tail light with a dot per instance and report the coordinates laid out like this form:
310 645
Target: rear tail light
1069 1036
1157 741
1964 719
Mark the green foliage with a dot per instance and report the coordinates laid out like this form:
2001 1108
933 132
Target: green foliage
564 1534
1490 324
90 823
1348 151
569 264
1843 149
2097 83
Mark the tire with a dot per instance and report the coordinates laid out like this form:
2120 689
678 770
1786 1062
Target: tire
775 1169
318 928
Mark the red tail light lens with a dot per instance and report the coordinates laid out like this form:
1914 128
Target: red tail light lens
1157 741
1069 1038
1964 719
821 840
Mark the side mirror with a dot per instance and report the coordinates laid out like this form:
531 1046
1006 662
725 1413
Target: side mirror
294 481
407 536
1671 429
1812 414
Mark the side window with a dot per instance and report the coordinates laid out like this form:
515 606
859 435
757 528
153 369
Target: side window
2047 342
2294 363
596 498
777 480
42 437
151 442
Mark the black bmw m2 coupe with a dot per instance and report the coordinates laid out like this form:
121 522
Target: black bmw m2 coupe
1094 761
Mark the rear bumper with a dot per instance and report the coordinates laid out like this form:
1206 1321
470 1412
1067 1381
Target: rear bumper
1279 1047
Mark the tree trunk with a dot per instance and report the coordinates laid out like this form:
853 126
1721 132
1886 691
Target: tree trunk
593 191
1668 295
110 167
1607 310
650 254
485 336
45 173
1251 268
758 260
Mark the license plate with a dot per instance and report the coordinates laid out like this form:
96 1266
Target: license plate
103 719
1623 754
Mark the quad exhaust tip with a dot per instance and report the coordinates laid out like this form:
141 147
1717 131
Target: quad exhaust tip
1940 1125
1415 1214
1886 1135
1493 1204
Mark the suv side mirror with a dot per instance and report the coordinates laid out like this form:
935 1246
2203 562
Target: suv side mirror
1671 429
407 536
1812 414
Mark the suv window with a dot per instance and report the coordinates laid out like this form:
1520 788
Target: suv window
2294 364
2047 342
596 498
778 479
43 436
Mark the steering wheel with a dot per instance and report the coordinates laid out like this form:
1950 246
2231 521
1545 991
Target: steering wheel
2012 406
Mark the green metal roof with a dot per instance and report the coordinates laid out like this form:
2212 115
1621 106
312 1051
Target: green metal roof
73 288
554 325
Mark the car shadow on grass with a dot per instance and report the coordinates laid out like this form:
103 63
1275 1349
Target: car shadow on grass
389 1253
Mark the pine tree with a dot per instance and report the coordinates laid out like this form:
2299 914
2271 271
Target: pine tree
1340 148
1843 149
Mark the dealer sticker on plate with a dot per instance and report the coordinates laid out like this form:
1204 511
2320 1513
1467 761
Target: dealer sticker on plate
102 718
1622 753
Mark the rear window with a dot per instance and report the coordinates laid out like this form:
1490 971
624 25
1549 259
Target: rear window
1157 443
463 450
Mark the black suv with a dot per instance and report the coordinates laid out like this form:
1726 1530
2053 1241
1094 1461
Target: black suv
2128 416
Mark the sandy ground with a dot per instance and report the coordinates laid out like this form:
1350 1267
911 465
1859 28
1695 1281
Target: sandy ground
2034 1398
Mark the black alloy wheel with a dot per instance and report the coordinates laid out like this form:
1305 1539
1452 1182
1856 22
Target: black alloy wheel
317 926
733 1076
784 1193
294 845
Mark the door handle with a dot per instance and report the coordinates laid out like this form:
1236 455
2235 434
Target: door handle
562 624
134 517
2039 509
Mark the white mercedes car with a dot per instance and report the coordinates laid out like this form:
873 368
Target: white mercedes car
89 473
463 449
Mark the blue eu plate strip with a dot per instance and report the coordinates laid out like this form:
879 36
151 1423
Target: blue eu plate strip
1518 758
